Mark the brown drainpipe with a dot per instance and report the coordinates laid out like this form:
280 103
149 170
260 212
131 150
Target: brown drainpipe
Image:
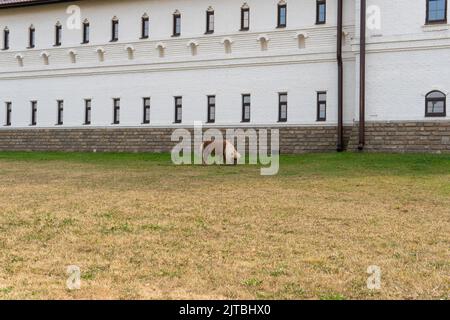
362 78
340 133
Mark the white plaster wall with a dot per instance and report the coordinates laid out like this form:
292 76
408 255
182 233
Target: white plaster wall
405 60
228 84
282 68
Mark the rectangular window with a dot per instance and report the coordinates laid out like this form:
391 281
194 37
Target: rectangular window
282 107
8 113
33 113
60 116
321 12
178 109
210 21
115 31
321 106
282 15
246 102
145 27
86 32
58 35
5 39
146 117
32 38
245 19
116 111
176 25
436 11
87 111
211 109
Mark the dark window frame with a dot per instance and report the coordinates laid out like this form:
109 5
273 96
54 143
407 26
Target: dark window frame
209 14
321 103
86 32
442 99
31 38
211 119
244 106
60 113
87 112
58 35
116 111
114 30
320 3
178 108
279 23
441 21
282 104
145 27
6 39
8 106
146 110
33 113
243 12
176 25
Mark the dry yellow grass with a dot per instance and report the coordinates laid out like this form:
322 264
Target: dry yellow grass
140 228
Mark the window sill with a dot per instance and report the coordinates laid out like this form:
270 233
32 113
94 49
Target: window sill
209 32
437 115
436 26
244 30
5 49
114 40
144 38
176 35
31 47
85 42
57 45
281 27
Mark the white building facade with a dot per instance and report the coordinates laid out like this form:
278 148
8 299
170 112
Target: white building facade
85 75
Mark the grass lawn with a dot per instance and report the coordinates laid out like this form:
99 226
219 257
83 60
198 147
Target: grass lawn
141 228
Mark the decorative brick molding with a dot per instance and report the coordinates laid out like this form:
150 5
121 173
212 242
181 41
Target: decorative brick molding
433 137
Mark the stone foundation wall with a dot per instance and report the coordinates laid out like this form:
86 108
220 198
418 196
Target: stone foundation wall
380 137
432 137
292 139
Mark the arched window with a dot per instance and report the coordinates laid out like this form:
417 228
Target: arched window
436 11
176 24
6 38
31 37
245 17
282 14
115 29
86 31
145 32
58 34
210 20
435 104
